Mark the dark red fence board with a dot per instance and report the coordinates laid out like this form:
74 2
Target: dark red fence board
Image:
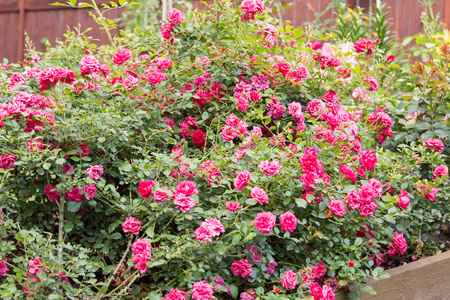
44 21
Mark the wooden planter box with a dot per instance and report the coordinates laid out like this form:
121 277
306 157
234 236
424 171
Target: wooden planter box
425 279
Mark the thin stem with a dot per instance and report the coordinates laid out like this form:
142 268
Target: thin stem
61 225
116 270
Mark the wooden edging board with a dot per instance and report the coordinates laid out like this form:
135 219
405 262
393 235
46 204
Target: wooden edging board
425 279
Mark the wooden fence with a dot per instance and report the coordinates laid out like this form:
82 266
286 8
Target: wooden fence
42 21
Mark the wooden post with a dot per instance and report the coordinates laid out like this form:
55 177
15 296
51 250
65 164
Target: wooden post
21 29
170 5
164 10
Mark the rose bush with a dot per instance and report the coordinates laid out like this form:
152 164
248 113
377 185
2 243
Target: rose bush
232 158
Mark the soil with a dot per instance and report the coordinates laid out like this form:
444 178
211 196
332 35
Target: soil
444 237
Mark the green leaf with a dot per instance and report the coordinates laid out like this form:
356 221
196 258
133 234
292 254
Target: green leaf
390 219
234 291
68 226
427 135
260 291
73 2
73 206
221 249
236 239
85 5
135 289
150 232
368 289
301 203
105 288
46 166
349 188
154 296
126 167
251 236
28 213
423 126
116 236
297 33
60 161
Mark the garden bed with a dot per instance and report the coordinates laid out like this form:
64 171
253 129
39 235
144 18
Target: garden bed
423 279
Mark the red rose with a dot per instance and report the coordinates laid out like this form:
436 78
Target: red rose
145 188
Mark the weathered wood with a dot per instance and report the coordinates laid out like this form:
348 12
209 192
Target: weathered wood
425 279
41 20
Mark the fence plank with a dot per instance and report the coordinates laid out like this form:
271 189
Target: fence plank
416 24
45 21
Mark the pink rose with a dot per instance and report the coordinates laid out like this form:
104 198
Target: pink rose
233 206
198 138
35 145
337 207
242 103
316 291
232 120
364 45
166 30
131 225
347 171
175 16
241 180
51 192
90 190
3 268
183 202
368 159
440 171
314 108
161 196
89 64
7 161
318 272
403 200
202 290
175 294
122 56
330 97
264 222
353 200
250 8
289 280
435 144
228 133
259 195
327 293
429 192
145 188
186 188
398 246
142 251
373 83
95 172
270 167
74 195
35 266
309 162
143 247
241 268
288 221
